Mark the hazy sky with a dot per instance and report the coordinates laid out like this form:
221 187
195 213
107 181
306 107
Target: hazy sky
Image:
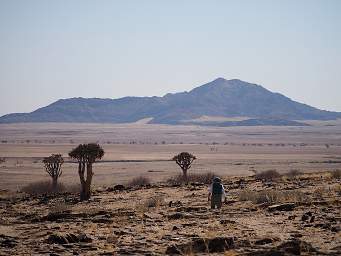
60 49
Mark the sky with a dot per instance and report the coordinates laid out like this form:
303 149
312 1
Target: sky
109 49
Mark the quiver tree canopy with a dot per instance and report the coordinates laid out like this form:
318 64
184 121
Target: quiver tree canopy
87 153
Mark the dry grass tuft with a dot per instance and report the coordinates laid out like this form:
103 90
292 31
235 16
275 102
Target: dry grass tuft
139 181
59 207
205 178
154 201
272 196
293 173
269 175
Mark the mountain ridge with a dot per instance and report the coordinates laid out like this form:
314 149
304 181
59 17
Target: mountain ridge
220 97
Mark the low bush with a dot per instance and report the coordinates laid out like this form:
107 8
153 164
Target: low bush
205 178
139 181
272 196
293 173
45 187
336 174
269 175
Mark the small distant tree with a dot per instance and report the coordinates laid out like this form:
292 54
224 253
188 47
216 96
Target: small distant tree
53 165
86 155
184 160
2 160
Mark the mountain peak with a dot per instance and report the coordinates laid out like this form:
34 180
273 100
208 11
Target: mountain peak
220 97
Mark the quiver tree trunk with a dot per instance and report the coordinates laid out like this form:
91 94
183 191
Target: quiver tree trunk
184 175
54 184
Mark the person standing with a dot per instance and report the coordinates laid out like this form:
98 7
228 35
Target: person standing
216 193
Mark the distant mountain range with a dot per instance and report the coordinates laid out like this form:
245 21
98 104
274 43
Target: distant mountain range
220 98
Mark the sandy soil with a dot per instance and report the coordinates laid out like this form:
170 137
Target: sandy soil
142 221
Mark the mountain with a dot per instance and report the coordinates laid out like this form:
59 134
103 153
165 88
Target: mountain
219 98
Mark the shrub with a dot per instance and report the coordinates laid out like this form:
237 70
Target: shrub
336 174
2 160
269 175
272 196
139 181
205 178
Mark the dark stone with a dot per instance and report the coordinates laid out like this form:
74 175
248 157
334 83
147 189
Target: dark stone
307 216
119 187
57 239
264 241
175 228
335 229
292 217
282 207
176 216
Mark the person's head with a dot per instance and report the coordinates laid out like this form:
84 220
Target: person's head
216 179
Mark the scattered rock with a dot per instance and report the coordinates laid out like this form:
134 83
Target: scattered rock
119 187
150 215
282 207
202 245
296 247
227 222
68 238
306 217
192 209
176 204
7 241
264 241
335 229
110 189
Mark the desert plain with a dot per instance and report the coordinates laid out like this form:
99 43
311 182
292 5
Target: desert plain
289 215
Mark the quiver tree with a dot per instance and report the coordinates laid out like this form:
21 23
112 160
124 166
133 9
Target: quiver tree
86 155
184 160
53 165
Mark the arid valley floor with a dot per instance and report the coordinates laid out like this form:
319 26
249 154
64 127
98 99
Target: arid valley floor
298 215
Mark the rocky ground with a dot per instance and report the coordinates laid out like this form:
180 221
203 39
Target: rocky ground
297 216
